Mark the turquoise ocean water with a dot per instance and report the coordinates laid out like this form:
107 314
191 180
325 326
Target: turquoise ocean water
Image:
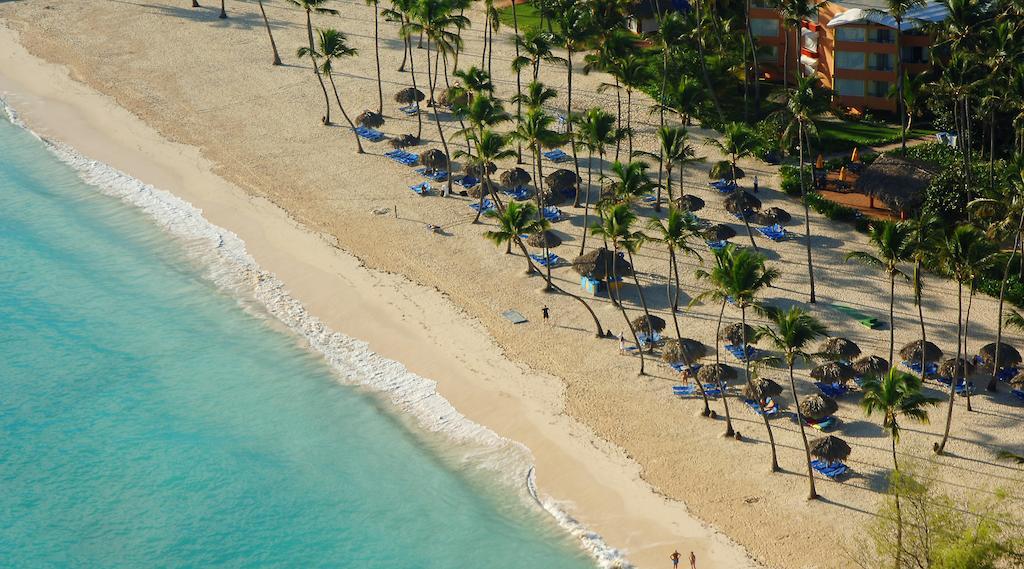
149 418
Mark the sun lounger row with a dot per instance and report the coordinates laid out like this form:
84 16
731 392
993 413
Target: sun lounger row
557 155
370 134
737 352
520 193
422 189
435 175
961 387
724 186
488 205
773 232
645 339
468 182
717 245
747 214
403 157
691 390
829 470
410 110
931 368
551 260
770 409
832 390
1006 373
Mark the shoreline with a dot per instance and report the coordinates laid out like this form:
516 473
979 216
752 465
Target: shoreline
393 315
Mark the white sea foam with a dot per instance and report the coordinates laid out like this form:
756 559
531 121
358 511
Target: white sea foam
231 267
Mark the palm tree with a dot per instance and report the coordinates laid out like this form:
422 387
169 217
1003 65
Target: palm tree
896 395
535 46
675 232
683 98
577 27
675 149
738 141
536 131
517 219
376 51
535 97
965 253
318 6
273 44
490 147
616 227
925 244
333 45
519 78
596 131
791 332
898 9
633 74
612 47
223 12
630 181
894 245
914 88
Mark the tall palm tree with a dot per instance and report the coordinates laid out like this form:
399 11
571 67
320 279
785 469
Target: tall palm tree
612 47
633 74
738 141
270 34
717 294
630 181
791 332
376 51
519 78
333 45
535 46
490 147
675 149
536 95
517 219
894 244
895 396
403 12
898 9
965 253
926 229
597 129
675 233
318 6
577 27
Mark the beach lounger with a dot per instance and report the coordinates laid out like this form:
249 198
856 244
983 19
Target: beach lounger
737 352
551 260
422 189
468 182
961 387
681 367
826 424
552 213
833 470
650 199
717 245
773 232
644 339
488 205
691 390
557 155
435 175
1018 394
370 134
723 186
915 366
410 110
519 193
747 214
833 390
1007 373
866 321
770 409
403 157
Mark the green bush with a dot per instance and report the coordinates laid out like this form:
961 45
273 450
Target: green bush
790 181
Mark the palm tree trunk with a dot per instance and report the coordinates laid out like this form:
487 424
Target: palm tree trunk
273 45
519 84
223 12
487 27
803 431
643 302
337 99
405 53
729 432
785 57
899 511
967 325
763 402
941 446
675 298
568 125
668 183
704 67
629 130
618 117
440 131
753 54
892 315
613 284
412 73
994 382
679 338
900 111
807 212
540 212
316 69
586 202
376 51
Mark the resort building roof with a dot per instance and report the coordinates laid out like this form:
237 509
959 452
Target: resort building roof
875 12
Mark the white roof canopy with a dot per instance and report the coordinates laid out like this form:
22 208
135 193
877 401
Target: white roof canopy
931 12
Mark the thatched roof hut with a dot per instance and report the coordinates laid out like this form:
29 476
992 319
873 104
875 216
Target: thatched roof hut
833 372
598 264
871 366
515 177
640 323
761 388
370 119
562 179
912 352
839 349
772 215
691 349
952 366
899 183
817 406
475 191
718 232
409 95
1008 355
740 201
434 159
733 333
477 171
830 449
689 202
544 239
715 373
404 141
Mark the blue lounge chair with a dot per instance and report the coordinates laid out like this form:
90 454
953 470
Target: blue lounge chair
468 182
773 232
691 390
557 155
370 134
829 470
717 245
832 390
1019 394
681 367
915 366
422 188
644 339
1007 373
520 193
826 424
551 260
650 199
410 110
747 214
961 386
737 352
403 157
488 206
435 175
770 409
552 213
724 186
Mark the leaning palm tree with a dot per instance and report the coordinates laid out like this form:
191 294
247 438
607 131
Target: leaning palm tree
596 130
738 141
791 331
894 244
894 396
633 74
516 220
333 45
270 34
489 147
318 6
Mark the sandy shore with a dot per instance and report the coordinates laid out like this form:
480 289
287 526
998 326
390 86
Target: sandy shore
188 103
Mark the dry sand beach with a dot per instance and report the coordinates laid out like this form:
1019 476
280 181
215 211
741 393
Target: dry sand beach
189 103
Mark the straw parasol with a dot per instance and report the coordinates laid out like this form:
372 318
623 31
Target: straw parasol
544 239
734 334
477 171
484 186
833 372
715 373
722 170
899 183
772 215
761 388
640 323
370 119
597 264
515 177
820 162
434 159
692 349
404 141
839 349
1008 355
690 202
817 406
548 196
738 202
562 179
455 96
409 95
871 365
1017 381
718 232
950 366
912 352
830 449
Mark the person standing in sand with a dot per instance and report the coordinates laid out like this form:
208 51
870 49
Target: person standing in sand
693 561
622 344
675 559
546 313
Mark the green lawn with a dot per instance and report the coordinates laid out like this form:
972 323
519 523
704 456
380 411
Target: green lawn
526 14
836 135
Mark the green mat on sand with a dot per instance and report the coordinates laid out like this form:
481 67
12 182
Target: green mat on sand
864 320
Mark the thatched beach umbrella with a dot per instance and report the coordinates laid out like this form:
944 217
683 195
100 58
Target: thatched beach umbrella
475 191
817 406
718 232
912 352
1008 355
404 141
738 202
871 366
761 388
772 215
544 239
839 349
477 171
598 264
642 323
830 449
692 349
549 196
370 119
1017 381
715 373
515 177
455 96
409 95
733 333
562 179
833 372
722 170
689 202
951 366
434 159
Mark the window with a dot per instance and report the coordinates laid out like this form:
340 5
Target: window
849 60
768 52
846 33
882 35
764 27
850 87
762 3
915 54
880 62
879 89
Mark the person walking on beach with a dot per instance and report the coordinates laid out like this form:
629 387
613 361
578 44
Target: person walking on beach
755 183
675 559
622 344
546 313
693 561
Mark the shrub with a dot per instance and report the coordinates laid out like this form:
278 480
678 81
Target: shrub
790 182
